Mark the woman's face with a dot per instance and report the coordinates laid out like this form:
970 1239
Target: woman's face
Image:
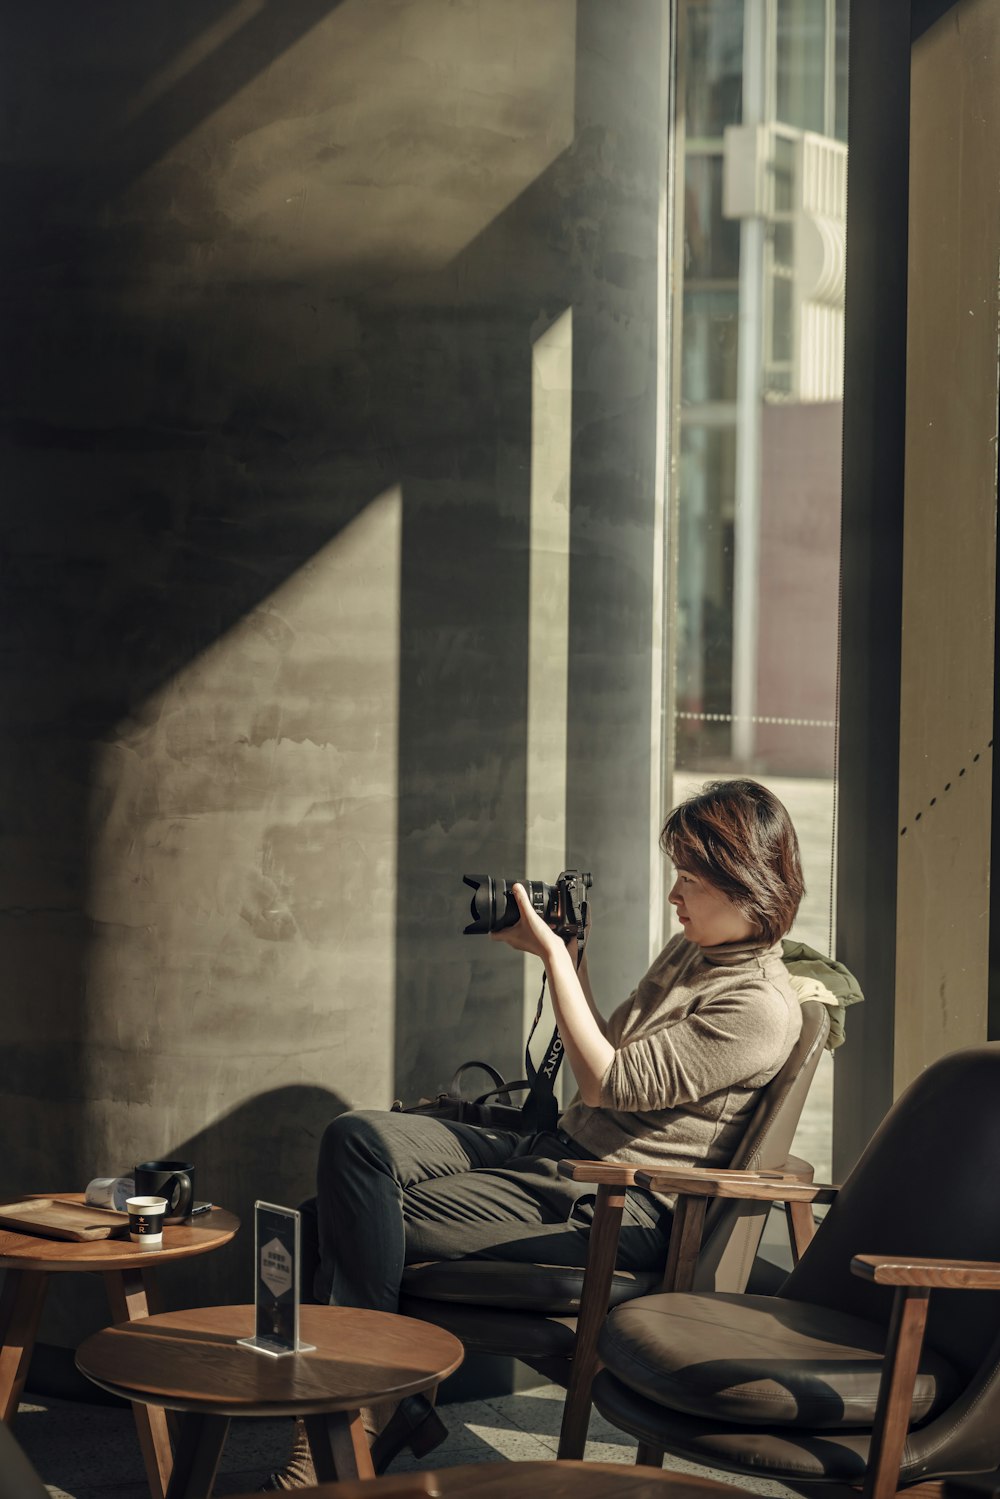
706 915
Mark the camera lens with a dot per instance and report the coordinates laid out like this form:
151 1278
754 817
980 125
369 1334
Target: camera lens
543 898
562 905
493 906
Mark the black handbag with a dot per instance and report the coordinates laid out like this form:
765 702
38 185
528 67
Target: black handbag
539 1111
492 1108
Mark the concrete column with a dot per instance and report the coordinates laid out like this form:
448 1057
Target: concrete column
871 558
949 540
615 743
920 496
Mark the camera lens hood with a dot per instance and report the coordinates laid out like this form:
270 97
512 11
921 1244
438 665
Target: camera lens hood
483 907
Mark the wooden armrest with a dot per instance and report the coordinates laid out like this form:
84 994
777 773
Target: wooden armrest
801 1171
601 1173
615 1174
895 1270
747 1185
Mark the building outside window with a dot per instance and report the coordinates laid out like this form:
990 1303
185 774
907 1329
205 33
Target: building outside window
762 177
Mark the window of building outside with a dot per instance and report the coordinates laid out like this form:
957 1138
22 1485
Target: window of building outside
761 174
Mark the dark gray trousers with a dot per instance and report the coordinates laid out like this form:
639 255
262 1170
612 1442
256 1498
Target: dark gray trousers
395 1189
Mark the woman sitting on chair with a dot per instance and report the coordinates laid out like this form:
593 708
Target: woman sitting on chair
669 1079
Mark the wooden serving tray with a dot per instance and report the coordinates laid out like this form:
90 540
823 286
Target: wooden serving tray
55 1218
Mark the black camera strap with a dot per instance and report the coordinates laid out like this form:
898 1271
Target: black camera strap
540 1108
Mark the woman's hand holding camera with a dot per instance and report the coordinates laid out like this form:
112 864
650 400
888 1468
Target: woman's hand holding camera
531 934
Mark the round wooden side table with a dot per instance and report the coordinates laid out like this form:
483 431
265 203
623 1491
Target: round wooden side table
192 1362
533 1480
130 1279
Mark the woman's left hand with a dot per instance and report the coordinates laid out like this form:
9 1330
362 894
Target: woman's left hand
531 933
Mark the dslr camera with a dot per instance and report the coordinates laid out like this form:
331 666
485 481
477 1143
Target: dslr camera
563 906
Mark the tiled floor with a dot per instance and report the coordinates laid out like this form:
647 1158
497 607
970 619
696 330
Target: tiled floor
91 1452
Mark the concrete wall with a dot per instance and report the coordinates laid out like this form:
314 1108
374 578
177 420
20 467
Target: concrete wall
273 276
949 543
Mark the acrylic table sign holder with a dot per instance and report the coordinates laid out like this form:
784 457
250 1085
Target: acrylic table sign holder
277 1250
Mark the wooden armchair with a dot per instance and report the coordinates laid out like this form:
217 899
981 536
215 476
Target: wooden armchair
683 1263
852 1375
549 1317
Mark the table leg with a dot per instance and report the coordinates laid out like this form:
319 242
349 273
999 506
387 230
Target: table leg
20 1313
133 1294
339 1446
199 1447
129 1301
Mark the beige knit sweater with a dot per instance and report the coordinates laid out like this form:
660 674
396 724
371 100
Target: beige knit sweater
704 1030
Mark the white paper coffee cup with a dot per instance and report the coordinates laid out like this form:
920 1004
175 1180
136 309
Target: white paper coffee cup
145 1221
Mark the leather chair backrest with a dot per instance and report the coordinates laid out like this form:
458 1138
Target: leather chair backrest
926 1185
733 1230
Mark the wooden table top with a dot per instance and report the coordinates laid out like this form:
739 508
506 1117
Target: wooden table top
192 1361
546 1480
180 1240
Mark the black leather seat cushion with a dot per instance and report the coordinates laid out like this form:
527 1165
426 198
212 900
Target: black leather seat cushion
553 1289
499 1330
783 1453
760 1361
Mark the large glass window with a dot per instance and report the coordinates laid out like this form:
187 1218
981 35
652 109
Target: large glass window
759 320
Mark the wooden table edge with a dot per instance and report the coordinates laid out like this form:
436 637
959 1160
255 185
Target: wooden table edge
322 1407
424 1482
89 1255
409 1369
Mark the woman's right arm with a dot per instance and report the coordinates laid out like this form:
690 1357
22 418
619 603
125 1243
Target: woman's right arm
583 975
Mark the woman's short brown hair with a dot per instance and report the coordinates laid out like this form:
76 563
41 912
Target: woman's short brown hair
739 838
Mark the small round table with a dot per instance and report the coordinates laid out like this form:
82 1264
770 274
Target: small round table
192 1362
534 1480
130 1281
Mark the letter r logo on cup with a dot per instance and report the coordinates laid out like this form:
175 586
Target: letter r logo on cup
145 1221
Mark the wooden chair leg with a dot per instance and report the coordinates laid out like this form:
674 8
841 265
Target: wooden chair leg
685 1243
20 1313
686 1233
895 1396
801 1227
602 1251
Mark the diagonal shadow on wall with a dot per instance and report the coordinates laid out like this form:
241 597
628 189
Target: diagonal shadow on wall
182 439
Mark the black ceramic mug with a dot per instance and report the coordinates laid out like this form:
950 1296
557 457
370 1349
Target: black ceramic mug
173 1180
